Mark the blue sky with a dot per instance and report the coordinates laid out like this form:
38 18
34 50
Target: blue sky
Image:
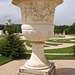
64 13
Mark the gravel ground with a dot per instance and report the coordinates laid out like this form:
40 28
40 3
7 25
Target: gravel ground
63 67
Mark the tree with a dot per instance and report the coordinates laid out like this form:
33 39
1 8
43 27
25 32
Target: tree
17 28
71 29
9 27
60 29
2 27
11 45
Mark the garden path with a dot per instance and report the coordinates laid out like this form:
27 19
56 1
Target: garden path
64 45
63 67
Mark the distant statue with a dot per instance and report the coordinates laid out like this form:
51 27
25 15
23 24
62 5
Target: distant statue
64 32
1 32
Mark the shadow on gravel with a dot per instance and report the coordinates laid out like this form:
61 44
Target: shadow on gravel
65 71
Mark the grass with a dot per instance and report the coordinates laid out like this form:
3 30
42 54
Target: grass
4 60
28 43
60 50
60 57
62 40
53 44
1 36
27 56
46 46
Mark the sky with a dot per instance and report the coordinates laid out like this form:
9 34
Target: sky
64 13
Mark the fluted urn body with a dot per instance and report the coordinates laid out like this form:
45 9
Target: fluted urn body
37 19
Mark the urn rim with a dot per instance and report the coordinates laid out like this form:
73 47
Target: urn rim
17 2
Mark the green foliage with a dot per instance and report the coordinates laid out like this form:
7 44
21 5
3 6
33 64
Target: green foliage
60 29
9 27
17 28
12 46
71 29
2 27
68 29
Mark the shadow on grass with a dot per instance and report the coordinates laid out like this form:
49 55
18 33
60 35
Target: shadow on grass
65 71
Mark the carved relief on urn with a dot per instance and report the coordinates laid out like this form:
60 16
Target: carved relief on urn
37 18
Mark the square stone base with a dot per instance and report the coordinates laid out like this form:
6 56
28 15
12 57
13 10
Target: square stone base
26 71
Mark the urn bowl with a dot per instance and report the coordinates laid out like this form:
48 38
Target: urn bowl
37 32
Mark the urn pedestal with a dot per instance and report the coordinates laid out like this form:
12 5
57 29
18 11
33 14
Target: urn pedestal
37 19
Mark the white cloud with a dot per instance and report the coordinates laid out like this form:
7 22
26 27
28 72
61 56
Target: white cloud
9 11
64 14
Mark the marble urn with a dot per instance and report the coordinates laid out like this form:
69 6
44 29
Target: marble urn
37 19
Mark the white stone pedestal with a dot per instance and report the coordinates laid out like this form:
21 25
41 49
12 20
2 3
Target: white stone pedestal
37 64
48 71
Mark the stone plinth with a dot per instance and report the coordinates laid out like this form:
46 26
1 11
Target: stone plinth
27 71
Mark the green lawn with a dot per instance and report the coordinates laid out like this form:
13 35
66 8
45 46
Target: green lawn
60 50
60 57
27 56
53 44
4 59
62 40
1 36
28 43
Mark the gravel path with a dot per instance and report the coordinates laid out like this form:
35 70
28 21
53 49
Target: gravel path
63 67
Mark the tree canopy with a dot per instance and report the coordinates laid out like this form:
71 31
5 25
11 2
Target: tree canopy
68 29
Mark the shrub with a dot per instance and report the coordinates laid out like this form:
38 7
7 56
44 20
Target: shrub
12 46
